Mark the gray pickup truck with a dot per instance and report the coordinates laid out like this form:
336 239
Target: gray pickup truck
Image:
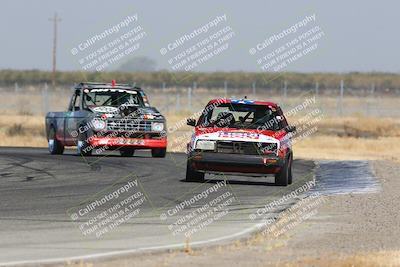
107 116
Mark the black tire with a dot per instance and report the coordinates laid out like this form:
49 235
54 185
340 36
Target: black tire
126 152
83 147
158 152
55 146
282 177
193 175
290 177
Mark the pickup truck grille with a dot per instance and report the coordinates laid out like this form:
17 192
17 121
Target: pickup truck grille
128 125
247 148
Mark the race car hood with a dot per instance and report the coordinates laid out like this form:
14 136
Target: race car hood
103 109
239 135
132 111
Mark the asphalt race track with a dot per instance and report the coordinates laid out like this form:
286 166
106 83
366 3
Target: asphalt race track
43 199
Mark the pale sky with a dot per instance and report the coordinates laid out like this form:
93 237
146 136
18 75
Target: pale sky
358 35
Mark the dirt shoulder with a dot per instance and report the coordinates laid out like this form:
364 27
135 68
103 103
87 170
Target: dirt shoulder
342 230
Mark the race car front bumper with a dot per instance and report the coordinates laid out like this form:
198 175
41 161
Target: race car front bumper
128 142
239 163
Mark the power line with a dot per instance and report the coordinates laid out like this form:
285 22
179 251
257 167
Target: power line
55 20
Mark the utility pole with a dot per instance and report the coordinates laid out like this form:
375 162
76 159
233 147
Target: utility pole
285 89
341 97
55 20
226 89
189 103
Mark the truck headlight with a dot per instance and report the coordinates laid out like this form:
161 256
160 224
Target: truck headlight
98 124
205 145
157 126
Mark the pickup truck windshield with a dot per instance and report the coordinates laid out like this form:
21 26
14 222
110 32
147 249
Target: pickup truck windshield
115 98
241 116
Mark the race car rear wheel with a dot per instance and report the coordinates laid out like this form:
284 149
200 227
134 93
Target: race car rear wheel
158 152
193 175
282 177
126 152
55 146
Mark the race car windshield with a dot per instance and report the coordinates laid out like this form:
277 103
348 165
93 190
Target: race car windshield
242 116
96 98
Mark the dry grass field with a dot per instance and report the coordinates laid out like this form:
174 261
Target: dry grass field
353 138
22 130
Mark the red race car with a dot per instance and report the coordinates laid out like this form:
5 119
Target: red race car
241 137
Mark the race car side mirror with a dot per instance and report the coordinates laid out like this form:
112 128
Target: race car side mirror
191 122
290 129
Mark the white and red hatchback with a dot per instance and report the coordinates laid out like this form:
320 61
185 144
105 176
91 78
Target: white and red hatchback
241 137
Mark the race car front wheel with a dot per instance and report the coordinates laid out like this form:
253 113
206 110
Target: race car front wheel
282 177
158 152
126 152
290 177
193 175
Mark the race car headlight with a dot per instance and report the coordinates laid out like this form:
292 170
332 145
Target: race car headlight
205 145
98 124
157 126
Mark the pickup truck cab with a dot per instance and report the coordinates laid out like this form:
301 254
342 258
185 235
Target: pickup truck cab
241 137
104 116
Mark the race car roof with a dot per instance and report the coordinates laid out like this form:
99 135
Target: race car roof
242 101
93 85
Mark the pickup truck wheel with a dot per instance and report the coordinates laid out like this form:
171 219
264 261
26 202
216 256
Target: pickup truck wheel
193 175
282 177
83 147
55 146
126 152
158 152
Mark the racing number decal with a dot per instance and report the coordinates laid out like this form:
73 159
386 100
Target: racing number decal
238 135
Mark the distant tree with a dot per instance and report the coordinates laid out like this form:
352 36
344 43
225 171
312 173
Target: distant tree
138 64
